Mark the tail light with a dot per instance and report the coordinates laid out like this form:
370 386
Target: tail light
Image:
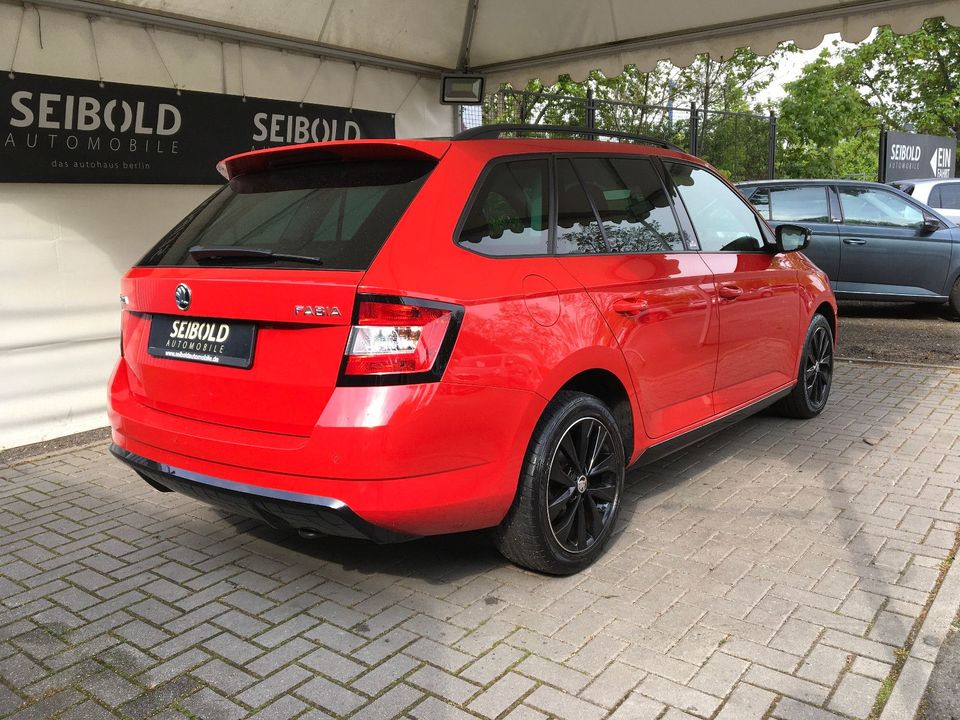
398 340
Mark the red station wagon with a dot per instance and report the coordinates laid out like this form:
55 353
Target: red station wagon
396 338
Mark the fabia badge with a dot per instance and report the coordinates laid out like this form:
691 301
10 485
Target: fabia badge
182 296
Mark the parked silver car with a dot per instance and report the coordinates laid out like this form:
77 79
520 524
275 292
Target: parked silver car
873 241
941 194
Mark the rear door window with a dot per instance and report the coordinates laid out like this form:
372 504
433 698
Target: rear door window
799 204
510 213
338 212
632 204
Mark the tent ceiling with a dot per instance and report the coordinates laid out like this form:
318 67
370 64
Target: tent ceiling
515 40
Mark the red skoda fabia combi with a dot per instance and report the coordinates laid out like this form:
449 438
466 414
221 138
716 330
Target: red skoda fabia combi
390 339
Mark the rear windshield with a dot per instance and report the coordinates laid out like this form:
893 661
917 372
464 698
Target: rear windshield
340 213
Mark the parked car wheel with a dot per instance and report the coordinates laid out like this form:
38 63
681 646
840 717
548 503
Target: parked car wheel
809 395
955 298
569 491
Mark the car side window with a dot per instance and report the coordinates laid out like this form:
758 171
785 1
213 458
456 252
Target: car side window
799 204
578 231
949 196
723 221
510 212
632 204
873 206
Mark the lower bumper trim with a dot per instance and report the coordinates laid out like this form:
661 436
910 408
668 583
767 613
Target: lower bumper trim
308 514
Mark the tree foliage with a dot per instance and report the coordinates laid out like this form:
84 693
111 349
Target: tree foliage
825 127
832 115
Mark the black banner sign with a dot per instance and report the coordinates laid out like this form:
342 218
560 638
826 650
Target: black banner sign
911 156
65 130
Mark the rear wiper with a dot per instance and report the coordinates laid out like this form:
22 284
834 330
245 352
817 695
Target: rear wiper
213 253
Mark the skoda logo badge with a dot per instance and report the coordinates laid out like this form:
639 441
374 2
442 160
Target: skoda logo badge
182 296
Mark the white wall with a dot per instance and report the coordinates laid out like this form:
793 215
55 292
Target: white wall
64 247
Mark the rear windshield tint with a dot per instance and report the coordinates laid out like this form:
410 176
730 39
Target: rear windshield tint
340 213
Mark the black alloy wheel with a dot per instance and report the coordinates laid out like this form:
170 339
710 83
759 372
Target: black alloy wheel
569 490
583 485
818 367
809 396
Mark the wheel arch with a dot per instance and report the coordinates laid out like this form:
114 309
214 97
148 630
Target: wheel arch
609 389
826 309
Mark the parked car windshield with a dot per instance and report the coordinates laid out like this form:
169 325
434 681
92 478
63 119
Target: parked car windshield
340 213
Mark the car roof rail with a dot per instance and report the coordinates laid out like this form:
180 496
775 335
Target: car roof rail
492 132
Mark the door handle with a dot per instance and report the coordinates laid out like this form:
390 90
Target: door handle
730 292
630 306
854 241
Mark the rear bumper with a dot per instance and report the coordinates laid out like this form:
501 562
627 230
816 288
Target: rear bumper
407 460
277 508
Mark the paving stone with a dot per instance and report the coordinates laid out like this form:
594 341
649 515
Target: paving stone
110 688
492 665
389 705
225 678
283 708
385 674
746 703
612 685
675 695
433 709
208 705
824 664
788 685
447 686
330 696
638 707
271 686
855 695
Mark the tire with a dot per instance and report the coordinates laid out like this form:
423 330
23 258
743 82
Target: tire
955 298
569 492
809 396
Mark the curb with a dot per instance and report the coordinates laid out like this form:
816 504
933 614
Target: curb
895 363
911 685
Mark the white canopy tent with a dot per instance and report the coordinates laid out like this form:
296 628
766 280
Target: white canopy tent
65 246
516 40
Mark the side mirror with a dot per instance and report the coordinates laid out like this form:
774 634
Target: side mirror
791 238
930 223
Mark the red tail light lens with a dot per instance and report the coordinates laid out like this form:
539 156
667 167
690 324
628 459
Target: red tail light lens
400 340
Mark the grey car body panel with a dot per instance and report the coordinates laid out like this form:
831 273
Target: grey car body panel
878 262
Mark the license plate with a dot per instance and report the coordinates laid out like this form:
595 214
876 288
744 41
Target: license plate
206 340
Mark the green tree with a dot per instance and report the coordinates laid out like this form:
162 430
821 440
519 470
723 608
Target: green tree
826 127
911 78
830 119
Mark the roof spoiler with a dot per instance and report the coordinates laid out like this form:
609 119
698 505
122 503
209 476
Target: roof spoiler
346 150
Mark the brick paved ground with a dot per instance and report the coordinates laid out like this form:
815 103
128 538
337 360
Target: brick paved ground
771 571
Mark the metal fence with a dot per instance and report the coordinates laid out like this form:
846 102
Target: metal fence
741 145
